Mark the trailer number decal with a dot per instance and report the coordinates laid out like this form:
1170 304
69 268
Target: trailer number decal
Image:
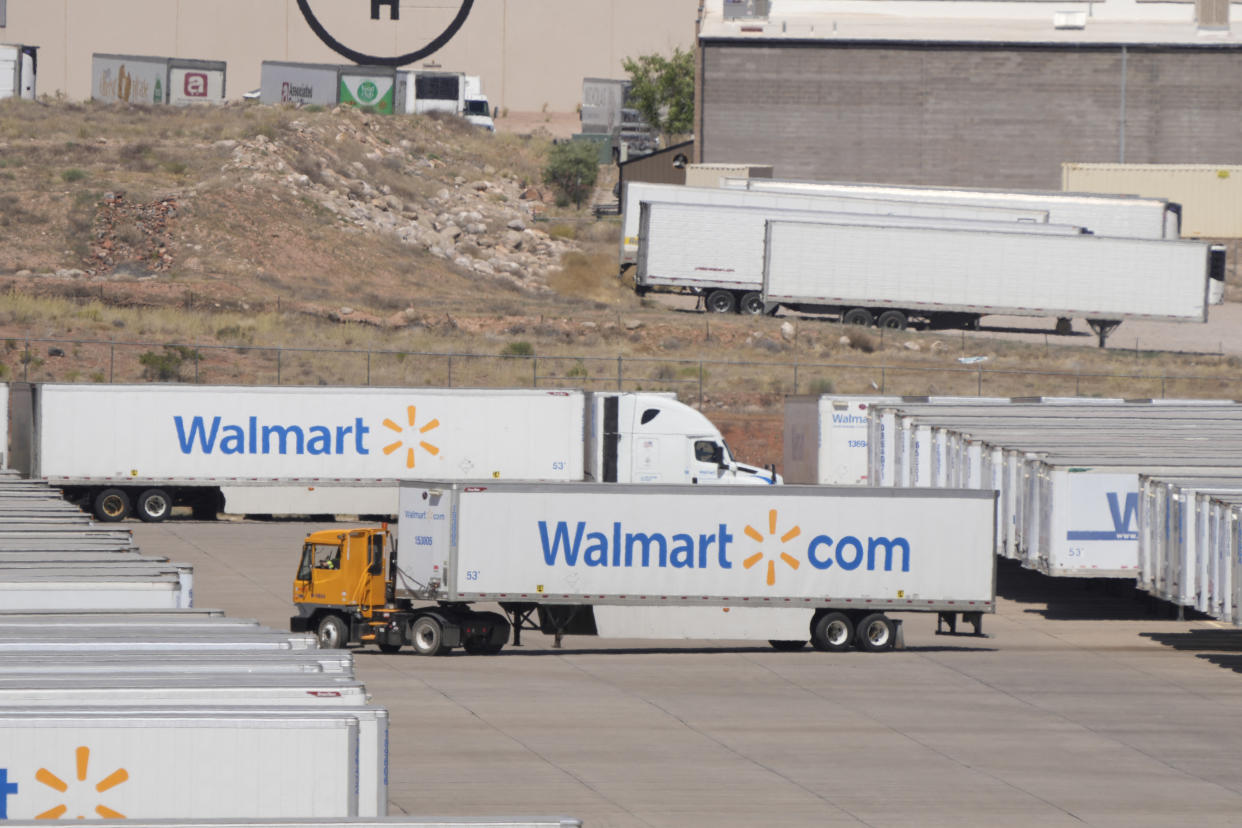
54 782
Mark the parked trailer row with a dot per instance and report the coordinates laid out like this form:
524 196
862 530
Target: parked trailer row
312 450
107 710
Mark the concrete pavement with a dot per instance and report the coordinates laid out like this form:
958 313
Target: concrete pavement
1081 707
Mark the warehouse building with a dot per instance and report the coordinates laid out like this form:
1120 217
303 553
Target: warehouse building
966 93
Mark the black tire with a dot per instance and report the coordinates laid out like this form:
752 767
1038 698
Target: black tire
858 316
893 320
332 633
719 301
153 506
427 636
388 647
787 646
876 633
1065 326
832 632
751 305
111 505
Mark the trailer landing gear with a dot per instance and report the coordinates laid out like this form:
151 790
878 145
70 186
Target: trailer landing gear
1103 327
946 623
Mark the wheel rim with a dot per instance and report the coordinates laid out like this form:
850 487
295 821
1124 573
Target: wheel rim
838 633
877 633
113 506
719 301
425 637
752 304
330 636
155 506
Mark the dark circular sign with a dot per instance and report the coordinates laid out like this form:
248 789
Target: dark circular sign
377 60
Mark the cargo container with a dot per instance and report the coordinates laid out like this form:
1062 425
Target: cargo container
888 275
718 250
178 764
784 564
144 79
422 92
34 590
1210 195
231 690
290 450
18 68
334 662
386 822
325 84
638 193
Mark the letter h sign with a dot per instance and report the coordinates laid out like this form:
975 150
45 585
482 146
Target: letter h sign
394 9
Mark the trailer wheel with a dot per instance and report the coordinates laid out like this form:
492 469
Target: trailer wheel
332 632
389 647
492 640
876 633
154 505
787 646
751 304
858 316
832 632
111 505
427 636
719 301
893 320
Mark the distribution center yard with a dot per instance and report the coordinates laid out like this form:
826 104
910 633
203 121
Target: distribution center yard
1081 707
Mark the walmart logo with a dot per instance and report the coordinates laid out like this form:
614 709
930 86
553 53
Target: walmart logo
411 415
576 543
214 435
73 792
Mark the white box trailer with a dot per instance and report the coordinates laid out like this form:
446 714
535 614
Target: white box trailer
18 68
177 764
638 193
327 84
334 662
32 590
718 249
194 641
1103 215
783 564
385 822
108 571
221 691
308 450
371 780
146 79
1173 550
890 274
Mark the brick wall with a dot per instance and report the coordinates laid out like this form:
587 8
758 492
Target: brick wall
965 115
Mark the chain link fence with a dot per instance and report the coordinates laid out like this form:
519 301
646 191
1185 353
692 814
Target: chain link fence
695 380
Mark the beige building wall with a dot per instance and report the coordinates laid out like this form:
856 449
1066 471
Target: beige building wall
529 53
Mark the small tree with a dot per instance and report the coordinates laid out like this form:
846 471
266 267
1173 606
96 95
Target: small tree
572 168
662 90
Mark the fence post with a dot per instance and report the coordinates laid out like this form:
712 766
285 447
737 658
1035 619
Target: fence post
881 379
700 385
368 366
26 362
196 366
1077 379
111 359
450 370
278 352
618 372
979 384
534 372
1162 378
795 375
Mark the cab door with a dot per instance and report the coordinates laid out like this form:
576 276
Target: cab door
706 461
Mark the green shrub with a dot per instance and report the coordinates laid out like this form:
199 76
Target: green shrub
71 175
166 367
518 349
572 168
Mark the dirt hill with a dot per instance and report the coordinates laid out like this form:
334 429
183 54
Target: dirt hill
191 243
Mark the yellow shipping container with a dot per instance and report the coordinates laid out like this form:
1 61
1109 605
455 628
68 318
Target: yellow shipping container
1210 195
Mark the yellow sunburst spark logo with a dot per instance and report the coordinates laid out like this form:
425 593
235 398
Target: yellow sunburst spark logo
413 441
83 755
757 537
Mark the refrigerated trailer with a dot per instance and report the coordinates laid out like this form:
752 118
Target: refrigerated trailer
310 450
638 193
717 250
892 274
1104 215
18 67
783 564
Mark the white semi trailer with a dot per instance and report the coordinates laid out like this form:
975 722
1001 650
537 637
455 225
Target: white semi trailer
888 275
783 564
302 450
717 250
638 193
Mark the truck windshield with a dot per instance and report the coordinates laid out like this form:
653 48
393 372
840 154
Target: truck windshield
319 556
476 108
